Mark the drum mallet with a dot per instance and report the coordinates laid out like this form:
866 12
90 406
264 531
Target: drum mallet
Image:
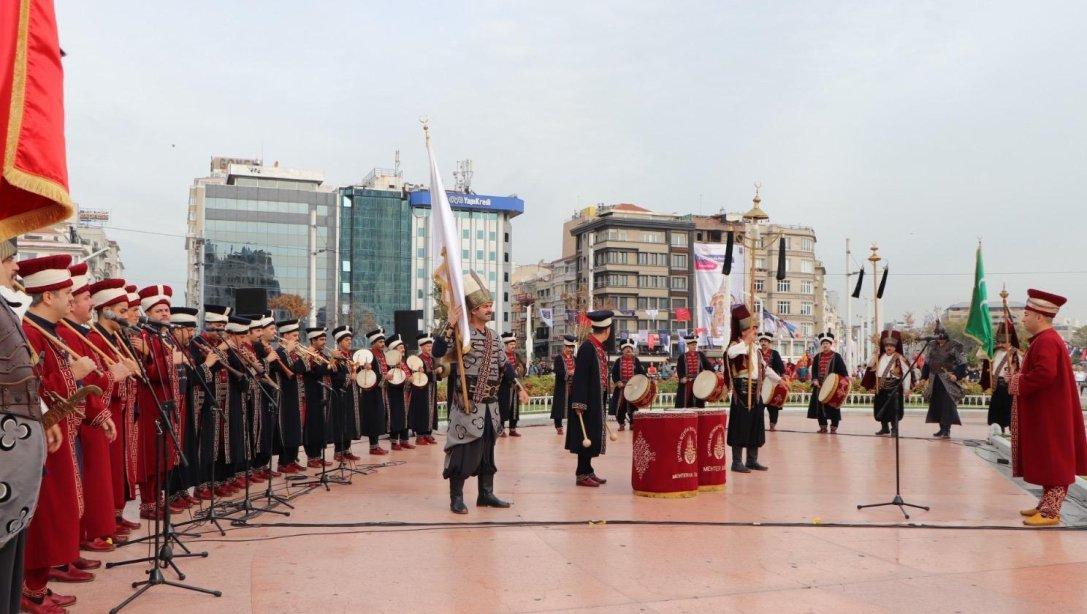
611 436
585 443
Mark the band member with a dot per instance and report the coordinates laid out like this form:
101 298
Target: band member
193 376
944 367
157 401
289 372
996 373
346 410
689 365
509 393
1048 443
424 401
53 536
624 368
265 410
589 400
212 404
772 359
22 456
824 363
318 381
235 448
747 428
375 406
97 524
891 378
469 442
399 401
564 376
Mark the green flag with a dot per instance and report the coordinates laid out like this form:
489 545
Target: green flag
980 327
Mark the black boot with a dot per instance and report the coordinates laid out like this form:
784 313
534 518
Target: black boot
486 496
884 430
456 496
753 460
738 460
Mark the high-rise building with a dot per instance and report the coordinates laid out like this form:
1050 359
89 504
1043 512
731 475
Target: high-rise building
82 238
257 226
385 260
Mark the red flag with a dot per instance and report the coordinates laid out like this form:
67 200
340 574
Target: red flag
683 314
34 182
583 319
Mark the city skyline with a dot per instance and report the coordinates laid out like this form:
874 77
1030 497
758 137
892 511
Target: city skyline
935 114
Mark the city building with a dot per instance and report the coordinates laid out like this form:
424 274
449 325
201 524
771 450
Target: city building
960 312
386 264
559 294
82 238
252 226
636 262
529 284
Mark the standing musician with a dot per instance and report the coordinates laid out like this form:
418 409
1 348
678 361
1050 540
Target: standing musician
265 410
424 401
375 406
824 363
624 368
213 410
1048 443
317 380
235 443
891 378
772 359
193 376
944 366
469 442
399 401
746 370
689 365
160 362
52 542
346 417
996 373
564 377
21 457
289 372
589 400
509 402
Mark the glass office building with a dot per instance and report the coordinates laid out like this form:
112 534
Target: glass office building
253 226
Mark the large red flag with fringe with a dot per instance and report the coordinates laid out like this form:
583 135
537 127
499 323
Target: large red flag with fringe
34 182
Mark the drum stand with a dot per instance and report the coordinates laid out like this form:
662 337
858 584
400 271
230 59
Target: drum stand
898 501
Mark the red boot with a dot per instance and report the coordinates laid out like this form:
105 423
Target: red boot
98 544
406 446
378 451
86 564
127 523
71 574
40 605
422 441
396 446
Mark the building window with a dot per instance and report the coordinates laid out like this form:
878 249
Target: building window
760 285
506 257
679 302
419 294
805 286
507 239
479 254
679 239
783 308
806 308
465 234
420 231
679 261
505 276
421 252
698 236
506 317
492 276
345 266
652 237
505 297
807 266
463 254
480 234
760 263
805 245
784 285
345 287
679 282
809 329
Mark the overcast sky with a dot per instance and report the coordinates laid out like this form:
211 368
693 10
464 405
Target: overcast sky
917 125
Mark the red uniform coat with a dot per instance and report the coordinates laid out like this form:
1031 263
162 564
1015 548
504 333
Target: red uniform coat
53 534
159 364
1048 443
121 402
98 518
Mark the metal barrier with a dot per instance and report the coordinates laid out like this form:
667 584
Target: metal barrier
542 405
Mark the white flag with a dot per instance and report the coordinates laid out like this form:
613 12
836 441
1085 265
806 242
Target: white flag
445 246
546 316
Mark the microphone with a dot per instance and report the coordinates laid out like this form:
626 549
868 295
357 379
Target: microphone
146 321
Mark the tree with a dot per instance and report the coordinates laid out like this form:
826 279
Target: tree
293 304
1079 338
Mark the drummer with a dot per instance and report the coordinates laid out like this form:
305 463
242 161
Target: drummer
398 399
624 368
375 407
826 362
688 366
747 428
772 359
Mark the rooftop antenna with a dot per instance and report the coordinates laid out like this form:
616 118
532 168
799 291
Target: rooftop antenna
396 163
462 177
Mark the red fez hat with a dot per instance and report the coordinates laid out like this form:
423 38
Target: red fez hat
1039 302
741 321
80 280
46 273
155 295
108 292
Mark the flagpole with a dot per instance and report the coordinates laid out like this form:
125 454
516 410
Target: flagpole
874 259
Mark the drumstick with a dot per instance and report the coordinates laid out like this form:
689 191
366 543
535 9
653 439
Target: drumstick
611 436
586 442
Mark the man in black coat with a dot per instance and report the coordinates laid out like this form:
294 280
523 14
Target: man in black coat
589 400
564 376
317 382
826 362
289 372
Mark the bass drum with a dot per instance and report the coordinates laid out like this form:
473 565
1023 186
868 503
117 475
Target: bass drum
414 363
834 390
774 393
366 379
640 391
709 386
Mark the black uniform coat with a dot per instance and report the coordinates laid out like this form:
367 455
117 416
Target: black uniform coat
560 398
589 393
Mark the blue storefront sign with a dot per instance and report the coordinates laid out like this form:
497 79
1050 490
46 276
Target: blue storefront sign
471 202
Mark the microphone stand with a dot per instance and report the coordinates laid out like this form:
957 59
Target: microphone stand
323 478
163 533
268 494
898 389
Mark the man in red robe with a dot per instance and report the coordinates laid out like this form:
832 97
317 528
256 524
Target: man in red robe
53 535
1048 443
